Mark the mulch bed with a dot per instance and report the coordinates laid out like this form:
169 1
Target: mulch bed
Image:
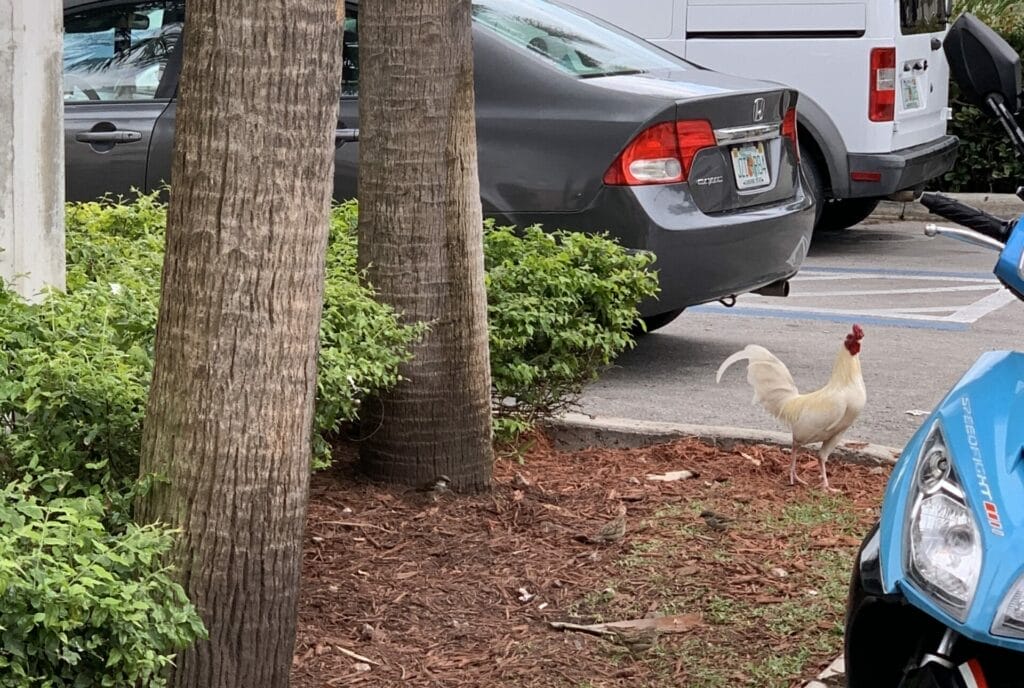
458 592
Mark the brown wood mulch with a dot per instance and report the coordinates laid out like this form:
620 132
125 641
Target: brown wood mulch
398 590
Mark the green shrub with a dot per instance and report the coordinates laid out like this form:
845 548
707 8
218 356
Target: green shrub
986 162
75 369
361 346
986 8
561 307
80 606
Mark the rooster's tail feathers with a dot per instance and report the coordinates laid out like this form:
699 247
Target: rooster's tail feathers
773 385
752 353
742 355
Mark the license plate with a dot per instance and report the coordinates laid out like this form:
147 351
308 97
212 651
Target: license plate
750 165
911 93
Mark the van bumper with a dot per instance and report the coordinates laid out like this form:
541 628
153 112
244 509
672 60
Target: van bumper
909 168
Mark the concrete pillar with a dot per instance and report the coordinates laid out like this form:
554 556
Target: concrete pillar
31 145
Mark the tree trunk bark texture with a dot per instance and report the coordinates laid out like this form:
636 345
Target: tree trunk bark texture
421 239
231 404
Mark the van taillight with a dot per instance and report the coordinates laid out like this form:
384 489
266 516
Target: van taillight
882 93
789 130
660 154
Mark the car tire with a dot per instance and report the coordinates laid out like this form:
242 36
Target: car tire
845 213
656 322
814 184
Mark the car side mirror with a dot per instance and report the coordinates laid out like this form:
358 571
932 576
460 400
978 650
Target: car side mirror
984 65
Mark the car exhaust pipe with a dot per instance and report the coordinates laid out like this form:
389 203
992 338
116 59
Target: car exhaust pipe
905 196
780 288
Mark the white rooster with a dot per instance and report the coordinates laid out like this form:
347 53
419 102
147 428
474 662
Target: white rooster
819 416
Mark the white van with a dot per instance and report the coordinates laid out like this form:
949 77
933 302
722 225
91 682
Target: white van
872 75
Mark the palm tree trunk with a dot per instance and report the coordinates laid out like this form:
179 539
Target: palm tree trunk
420 237
230 411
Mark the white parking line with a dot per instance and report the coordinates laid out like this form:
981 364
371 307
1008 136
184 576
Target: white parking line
979 309
813 276
903 306
886 292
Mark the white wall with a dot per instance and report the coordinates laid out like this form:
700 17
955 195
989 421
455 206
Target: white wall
31 145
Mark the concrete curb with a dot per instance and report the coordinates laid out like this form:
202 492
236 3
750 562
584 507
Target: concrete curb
577 430
1005 205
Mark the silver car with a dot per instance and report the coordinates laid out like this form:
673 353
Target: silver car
580 126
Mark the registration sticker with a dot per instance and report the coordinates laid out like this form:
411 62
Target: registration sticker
750 165
911 93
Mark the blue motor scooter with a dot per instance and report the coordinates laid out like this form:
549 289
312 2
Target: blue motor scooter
937 594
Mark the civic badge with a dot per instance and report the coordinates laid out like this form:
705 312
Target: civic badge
758 109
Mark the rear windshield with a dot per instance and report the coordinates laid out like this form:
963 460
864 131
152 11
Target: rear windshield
573 42
922 16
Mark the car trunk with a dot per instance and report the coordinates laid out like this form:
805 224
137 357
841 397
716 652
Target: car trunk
750 162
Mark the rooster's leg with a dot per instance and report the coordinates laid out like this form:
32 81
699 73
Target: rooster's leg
793 477
826 450
824 477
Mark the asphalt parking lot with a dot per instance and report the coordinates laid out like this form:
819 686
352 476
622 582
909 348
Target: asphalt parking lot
929 307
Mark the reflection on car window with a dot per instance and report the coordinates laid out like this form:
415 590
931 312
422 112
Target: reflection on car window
575 43
119 52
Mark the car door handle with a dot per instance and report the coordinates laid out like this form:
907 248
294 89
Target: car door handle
345 136
118 136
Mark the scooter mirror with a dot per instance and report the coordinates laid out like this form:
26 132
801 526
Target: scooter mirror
983 64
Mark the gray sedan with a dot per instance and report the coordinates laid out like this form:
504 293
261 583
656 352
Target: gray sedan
580 126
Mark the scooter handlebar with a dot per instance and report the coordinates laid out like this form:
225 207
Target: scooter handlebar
963 214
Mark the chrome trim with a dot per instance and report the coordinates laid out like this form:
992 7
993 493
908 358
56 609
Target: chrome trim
759 105
949 638
965 235
757 132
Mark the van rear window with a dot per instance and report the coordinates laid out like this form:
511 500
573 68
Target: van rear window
922 16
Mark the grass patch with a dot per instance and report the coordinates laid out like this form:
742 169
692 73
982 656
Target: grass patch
771 588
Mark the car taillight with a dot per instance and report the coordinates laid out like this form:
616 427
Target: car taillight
694 136
789 130
882 93
660 154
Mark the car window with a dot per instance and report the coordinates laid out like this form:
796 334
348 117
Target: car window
922 16
119 52
575 43
350 56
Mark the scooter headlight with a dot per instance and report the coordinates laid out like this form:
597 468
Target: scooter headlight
1010 619
942 543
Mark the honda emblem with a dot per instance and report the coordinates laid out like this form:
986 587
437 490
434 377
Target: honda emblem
758 109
